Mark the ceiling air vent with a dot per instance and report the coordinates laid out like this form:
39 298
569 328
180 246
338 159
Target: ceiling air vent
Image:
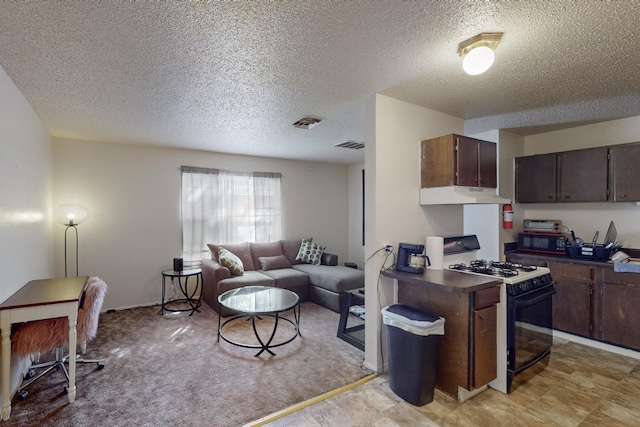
307 122
355 145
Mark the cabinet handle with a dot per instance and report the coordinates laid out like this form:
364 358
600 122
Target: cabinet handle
622 196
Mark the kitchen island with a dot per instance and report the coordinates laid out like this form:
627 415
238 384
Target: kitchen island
467 351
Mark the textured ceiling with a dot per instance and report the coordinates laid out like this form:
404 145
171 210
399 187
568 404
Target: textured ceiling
233 76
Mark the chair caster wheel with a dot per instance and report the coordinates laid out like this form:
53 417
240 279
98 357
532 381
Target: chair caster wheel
22 395
100 366
30 374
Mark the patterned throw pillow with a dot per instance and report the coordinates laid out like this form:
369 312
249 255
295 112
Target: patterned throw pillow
231 261
310 253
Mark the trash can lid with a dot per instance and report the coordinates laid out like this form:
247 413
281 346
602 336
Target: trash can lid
413 320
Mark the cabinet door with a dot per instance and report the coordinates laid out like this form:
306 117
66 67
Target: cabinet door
487 163
572 306
438 162
467 161
626 173
536 179
584 175
484 358
621 316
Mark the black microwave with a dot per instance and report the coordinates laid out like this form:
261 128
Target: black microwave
551 243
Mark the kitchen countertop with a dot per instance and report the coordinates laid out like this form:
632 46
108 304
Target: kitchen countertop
446 280
564 258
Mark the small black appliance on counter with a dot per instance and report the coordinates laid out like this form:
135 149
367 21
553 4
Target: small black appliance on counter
407 255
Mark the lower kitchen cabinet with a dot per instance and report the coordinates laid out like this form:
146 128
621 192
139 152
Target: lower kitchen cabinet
484 350
620 308
572 301
592 300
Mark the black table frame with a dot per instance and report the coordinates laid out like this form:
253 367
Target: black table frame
192 299
263 346
354 335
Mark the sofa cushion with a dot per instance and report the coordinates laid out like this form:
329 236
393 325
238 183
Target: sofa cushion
290 249
288 278
336 279
310 253
231 261
249 278
241 250
264 250
273 262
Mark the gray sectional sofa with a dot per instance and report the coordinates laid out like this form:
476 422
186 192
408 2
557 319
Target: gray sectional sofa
275 264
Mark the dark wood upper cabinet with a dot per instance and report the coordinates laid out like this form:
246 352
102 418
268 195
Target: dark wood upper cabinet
584 175
625 166
536 178
458 160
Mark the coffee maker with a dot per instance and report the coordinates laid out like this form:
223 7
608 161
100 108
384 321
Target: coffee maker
411 258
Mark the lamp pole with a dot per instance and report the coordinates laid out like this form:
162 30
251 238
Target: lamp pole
75 228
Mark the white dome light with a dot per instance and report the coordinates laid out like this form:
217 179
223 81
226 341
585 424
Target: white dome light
478 52
478 60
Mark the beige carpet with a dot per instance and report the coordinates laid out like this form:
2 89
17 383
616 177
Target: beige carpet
169 370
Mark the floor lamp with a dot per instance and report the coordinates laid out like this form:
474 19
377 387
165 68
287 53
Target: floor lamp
70 216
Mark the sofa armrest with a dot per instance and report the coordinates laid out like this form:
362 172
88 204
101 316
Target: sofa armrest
329 259
212 273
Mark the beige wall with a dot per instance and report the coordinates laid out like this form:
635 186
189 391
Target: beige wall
587 218
393 133
25 199
356 248
133 193
25 192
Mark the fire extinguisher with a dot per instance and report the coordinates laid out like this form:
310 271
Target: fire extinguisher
507 216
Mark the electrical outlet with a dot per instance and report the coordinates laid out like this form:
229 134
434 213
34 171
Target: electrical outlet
387 247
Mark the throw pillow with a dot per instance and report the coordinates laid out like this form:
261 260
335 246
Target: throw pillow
310 253
274 262
231 261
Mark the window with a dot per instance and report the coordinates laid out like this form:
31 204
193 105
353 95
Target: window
228 207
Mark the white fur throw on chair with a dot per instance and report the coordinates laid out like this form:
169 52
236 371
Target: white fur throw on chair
49 334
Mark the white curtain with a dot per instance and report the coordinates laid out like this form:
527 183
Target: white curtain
228 207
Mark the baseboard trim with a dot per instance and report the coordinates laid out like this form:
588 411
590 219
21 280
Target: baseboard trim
597 344
290 410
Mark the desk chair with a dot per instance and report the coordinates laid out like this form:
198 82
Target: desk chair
49 334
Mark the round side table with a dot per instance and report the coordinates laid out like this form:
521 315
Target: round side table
190 297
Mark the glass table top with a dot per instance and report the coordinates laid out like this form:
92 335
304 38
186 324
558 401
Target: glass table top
259 299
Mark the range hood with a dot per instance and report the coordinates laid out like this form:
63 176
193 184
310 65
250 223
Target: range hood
459 195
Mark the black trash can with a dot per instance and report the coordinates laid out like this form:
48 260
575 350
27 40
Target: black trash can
412 347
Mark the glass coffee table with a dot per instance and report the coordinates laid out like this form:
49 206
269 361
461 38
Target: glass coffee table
253 303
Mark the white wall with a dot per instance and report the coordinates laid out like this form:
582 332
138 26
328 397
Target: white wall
25 196
25 193
133 193
356 248
393 132
587 218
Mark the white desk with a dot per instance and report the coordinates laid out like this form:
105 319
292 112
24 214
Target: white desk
40 299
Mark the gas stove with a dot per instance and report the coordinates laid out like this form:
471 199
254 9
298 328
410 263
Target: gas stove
519 278
493 268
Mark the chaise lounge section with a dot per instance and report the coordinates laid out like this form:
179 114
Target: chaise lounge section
281 264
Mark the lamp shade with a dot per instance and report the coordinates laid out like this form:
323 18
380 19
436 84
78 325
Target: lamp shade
70 214
478 60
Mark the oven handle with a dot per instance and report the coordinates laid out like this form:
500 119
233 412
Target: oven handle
536 299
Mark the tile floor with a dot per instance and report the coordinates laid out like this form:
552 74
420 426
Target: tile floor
581 386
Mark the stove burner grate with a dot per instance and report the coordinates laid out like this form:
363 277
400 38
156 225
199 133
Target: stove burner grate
493 268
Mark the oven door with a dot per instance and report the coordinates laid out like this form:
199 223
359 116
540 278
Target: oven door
529 327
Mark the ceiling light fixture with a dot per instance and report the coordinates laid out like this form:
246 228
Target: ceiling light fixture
477 52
